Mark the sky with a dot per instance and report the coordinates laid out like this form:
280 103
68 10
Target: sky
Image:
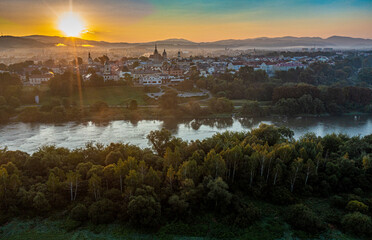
195 20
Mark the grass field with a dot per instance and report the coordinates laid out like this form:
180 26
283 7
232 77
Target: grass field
112 95
115 95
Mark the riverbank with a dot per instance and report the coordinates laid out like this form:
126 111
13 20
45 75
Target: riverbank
29 137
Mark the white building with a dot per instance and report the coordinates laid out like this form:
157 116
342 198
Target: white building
39 79
151 80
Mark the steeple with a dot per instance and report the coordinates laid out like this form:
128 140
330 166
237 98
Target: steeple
90 60
156 49
164 54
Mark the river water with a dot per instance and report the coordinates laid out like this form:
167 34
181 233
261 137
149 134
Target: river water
30 137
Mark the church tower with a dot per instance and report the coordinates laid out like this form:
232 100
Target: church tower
164 55
90 60
156 50
107 69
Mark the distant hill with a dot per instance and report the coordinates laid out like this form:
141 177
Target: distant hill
41 41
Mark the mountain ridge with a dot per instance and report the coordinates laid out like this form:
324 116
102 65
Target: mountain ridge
44 41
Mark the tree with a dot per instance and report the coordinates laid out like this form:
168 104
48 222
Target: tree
120 172
95 186
303 218
214 165
159 140
309 166
218 192
72 182
113 157
40 203
102 211
169 100
294 171
357 223
144 208
152 178
79 213
133 105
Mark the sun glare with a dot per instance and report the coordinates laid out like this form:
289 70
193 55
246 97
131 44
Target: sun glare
71 24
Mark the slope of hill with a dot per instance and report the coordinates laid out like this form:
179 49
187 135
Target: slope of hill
37 41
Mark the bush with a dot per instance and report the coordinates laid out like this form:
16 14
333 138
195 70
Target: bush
356 206
338 202
247 215
133 105
302 218
220 105
143 208
357 223
14 102
2 101
79 213
102 211
30 114
281 196
99 106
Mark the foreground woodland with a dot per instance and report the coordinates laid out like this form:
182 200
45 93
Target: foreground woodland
234 180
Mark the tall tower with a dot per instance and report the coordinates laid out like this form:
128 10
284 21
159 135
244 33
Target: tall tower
156 50
107 69
90 60
179 56
164 55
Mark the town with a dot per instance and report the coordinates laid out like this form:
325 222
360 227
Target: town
158 69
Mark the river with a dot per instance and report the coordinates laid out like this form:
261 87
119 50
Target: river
29 137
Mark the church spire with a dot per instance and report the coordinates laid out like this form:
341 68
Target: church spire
156 49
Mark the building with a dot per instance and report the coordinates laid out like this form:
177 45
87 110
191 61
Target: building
90 60
156 57
175 71
151 80
40 78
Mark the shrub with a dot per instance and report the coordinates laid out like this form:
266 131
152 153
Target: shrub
102 211
133 105
99 106
281 196
338 202
356 206
357 223
14 102
303 218
247 215
79 213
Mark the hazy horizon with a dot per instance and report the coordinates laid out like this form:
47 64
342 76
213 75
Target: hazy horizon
176 38
198 21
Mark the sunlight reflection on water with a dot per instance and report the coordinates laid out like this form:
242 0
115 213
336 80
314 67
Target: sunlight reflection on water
29 137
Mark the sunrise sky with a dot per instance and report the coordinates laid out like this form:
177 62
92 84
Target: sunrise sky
202 20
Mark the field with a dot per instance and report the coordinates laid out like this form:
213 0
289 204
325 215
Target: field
112 95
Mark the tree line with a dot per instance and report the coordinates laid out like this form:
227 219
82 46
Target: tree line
178 180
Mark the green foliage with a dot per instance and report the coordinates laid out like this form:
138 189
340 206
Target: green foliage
133 105
180 181
102 211
143 208
303 218
220 105
357 223
169 100
356 206
79 213
99 106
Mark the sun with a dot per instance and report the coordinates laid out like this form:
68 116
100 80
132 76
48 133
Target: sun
71 24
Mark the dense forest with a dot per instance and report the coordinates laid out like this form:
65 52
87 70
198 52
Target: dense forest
229 176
